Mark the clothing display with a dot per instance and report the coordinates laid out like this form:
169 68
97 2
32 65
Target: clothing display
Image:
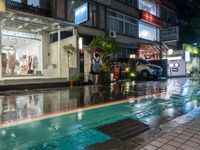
21 53
11 65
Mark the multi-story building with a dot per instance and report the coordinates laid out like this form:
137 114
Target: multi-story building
142 27
33 33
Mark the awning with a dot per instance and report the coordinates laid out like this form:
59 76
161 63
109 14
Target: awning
21 21
150 48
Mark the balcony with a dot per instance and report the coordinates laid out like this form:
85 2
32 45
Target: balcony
27 8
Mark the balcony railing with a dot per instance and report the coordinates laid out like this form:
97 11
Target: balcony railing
27 8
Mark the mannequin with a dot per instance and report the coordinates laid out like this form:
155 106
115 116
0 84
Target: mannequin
11 61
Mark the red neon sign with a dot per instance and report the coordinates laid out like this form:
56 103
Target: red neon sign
151 18
159 1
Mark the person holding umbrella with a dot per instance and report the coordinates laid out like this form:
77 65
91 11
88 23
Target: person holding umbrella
96 67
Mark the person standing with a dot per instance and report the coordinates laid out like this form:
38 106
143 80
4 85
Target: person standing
96 67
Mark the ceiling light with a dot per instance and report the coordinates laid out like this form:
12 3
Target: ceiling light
19 27
54 24
44 28
26 24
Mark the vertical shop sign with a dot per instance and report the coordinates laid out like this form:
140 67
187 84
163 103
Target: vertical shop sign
2 5
81 13
187 56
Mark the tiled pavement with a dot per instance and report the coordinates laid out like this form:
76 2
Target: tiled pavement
182 133
184 137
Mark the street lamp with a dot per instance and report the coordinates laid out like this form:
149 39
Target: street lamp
170 51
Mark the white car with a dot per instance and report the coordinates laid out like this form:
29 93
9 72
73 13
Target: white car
145 68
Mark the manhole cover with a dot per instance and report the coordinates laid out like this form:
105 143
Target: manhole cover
124 129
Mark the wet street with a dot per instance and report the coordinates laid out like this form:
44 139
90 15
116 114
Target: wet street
16 105
151 102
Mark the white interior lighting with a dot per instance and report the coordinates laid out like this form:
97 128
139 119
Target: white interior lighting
174 58
171 65
187 56
177 64
80 42
144 34
132 56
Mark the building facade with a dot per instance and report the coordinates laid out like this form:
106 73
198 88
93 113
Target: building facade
33 33
145 28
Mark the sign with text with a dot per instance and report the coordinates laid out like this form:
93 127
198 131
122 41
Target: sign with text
187 56
2 5
192 49
151 18
170 34
82 13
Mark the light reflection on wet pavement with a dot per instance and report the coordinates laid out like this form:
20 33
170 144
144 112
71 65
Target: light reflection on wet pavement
179 96
24 104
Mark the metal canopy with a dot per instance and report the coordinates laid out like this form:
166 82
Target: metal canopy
21 21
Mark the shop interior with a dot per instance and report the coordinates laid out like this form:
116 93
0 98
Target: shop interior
21 53
23 40
149 52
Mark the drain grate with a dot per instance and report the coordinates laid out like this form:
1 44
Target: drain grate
124 129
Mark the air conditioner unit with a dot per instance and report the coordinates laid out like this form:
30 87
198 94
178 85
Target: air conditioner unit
112 34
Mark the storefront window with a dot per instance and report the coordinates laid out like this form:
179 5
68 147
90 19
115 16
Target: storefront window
35 3
148 32
148 6
21 53
19 1
123 53
121 23
149 52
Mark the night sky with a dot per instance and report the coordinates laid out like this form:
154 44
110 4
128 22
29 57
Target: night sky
188 12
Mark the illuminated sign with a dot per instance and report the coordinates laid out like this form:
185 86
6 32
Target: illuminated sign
159 1
2 5
192 49
81 13
151 18
187 56
169 34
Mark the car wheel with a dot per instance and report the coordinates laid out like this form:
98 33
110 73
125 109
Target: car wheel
145 74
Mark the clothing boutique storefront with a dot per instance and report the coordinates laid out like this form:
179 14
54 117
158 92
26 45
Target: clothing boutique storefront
21 53
26 50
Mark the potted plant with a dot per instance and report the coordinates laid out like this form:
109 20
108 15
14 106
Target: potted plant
77 79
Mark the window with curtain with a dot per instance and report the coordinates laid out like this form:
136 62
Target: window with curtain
148 32
148 6
121 23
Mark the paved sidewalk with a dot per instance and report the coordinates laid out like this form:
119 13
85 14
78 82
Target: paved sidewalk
184 137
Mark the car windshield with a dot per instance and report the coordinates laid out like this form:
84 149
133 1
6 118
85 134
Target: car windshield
143 61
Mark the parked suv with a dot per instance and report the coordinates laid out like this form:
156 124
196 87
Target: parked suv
144 68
